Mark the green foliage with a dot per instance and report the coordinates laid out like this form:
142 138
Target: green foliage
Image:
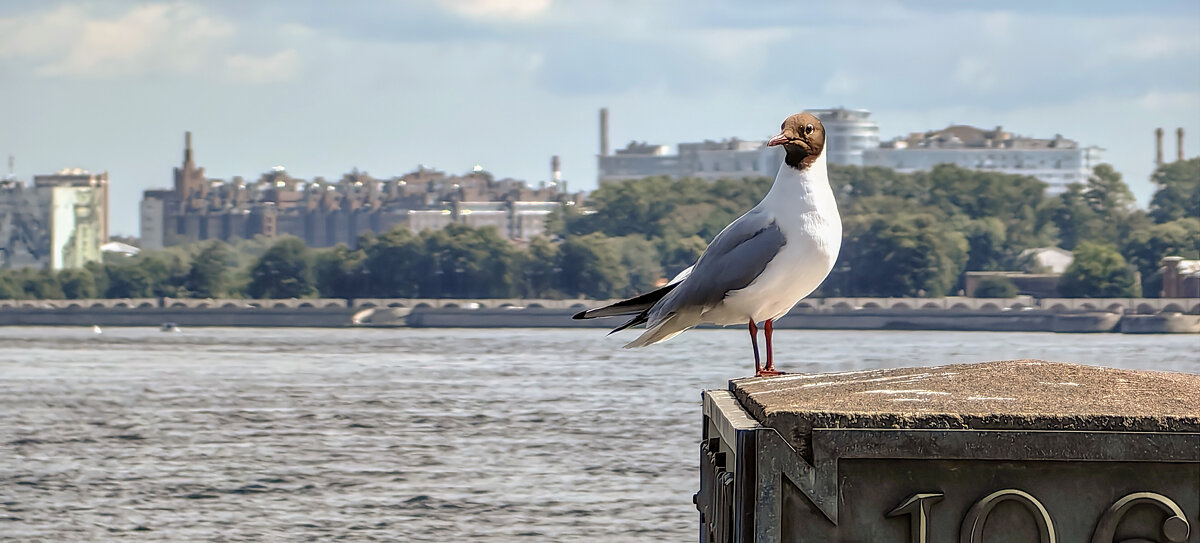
539 271
283 271
591 266
10 288
986 245
1145 249
146 275
639 259
465 262
995 286
904 255
78 284
1098 271
210 270
340 272
1178 195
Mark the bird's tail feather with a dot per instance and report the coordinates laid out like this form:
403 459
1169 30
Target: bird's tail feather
664 330
637 304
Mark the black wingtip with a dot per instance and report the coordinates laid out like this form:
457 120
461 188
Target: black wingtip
580 315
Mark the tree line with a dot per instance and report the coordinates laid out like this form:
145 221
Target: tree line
905 234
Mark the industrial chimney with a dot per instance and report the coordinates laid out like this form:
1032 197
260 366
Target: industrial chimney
187 146
1158 155
555 169
603 131
1179 142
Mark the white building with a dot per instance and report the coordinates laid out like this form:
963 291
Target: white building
848 133
731 158
1058 161
153 220
59 223
851 138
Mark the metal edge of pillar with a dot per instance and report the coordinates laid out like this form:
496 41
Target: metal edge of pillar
738 431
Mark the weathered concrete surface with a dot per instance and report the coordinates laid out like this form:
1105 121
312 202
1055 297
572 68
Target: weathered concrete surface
1009 395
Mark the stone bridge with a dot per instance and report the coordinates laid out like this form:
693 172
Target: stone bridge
414 303
1139 306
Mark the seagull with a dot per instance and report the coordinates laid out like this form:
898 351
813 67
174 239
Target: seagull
760 265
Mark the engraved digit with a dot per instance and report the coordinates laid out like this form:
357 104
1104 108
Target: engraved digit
1175 528
917 506
972 527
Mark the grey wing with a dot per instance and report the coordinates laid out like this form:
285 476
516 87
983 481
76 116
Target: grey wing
734 259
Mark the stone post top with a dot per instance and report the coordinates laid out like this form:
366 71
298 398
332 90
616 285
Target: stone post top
1007 395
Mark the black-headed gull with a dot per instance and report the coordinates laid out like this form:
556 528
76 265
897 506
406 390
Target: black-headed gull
760 265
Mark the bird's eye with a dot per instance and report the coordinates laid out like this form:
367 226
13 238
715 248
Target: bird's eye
808 130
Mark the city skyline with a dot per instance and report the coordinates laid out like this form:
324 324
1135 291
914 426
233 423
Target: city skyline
509 83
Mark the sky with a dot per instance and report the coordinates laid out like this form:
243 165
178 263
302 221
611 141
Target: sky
321 88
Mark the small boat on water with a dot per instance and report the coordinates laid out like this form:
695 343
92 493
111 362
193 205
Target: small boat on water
96 329
169 327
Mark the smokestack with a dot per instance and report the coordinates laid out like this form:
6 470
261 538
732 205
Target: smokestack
187 146
603 131
555 169
1179 142
1158 135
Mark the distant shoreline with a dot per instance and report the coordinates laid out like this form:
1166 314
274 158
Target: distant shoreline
1128 315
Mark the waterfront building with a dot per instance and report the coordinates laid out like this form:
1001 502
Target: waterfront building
852 138
58 223
325 213
1056 161
849 132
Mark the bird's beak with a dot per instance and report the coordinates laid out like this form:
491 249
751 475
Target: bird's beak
779 139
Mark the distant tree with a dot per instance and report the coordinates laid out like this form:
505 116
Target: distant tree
906 255
282 272
1145 249
995 286
340 272
392 262
1178 195
41 285
1074 217
78 284
539 271
10 287
642 265
1098 271
128 280
209 271
591 266
465 262
680 253
986 245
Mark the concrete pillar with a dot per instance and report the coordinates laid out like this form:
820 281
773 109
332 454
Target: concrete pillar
1170 276
856 459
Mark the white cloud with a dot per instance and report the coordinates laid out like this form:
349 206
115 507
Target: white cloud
70 42
254 70
841 82
498 9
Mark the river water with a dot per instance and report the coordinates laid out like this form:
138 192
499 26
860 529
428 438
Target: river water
242 434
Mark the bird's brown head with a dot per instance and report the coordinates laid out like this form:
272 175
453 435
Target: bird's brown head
803 138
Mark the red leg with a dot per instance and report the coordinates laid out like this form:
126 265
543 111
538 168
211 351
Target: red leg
770 369
754 343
